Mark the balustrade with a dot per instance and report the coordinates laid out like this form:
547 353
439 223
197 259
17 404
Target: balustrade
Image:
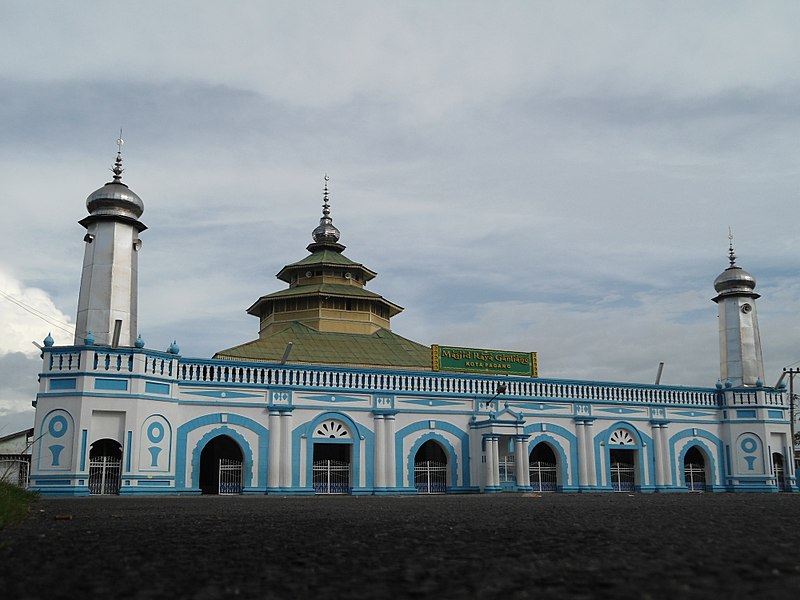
201 371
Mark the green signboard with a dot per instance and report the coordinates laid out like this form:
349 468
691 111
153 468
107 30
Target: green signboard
475 360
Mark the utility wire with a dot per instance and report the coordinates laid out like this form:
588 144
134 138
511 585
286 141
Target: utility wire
39 314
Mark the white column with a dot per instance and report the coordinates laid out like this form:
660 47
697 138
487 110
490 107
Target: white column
489 465
273 462
523 472
496 460
666 459
658 451
591 470
583 478
379 460
286 449
390 470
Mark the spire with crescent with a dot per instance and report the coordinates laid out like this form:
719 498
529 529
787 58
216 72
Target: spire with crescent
325 232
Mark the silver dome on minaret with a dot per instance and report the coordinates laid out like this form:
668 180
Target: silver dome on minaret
734 279
115 198
326 231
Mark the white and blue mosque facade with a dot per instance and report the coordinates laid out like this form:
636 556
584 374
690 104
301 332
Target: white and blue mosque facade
329 400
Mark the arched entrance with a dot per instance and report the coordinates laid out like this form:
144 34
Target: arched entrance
778 471
331 468
623 470
430 469
694 470
221 467
105 467
331 458
543 468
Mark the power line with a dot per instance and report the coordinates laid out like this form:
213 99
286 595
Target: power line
39 314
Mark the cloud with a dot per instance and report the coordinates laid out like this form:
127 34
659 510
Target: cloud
29 315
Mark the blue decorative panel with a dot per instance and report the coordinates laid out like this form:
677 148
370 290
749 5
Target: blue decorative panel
155 444
116 385
746 414
63 383
432 402
775 414
56 441
224 394
150 387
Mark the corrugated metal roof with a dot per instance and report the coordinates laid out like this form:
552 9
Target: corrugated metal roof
380 349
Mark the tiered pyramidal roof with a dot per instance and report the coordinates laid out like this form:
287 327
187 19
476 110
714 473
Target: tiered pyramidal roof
327 313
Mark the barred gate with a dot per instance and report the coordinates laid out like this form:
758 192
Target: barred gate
230 477
507 475
543 477
780 476
15 471
104 475
430 477
623 478
331 477
695 477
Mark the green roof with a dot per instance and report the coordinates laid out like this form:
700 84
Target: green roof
309 346
324 289
327 257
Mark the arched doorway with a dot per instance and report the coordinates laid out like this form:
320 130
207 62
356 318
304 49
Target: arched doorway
623 470
332 457
778 471
105 467
430 469
694 470
543 468
221 467
331 468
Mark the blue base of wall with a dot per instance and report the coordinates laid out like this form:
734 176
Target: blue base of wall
50 491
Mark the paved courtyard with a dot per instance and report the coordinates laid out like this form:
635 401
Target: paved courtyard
489 546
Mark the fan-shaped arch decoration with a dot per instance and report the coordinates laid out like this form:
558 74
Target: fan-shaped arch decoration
621 437
332 428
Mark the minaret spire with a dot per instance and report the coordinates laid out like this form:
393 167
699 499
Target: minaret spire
741 362
117 170
326 232
731 254
108 299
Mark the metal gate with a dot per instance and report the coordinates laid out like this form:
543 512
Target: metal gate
430 477
331 477
780 477
543 477
695 477
104 475
15 471
623 478
230 477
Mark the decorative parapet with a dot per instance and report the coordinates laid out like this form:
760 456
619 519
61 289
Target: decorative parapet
755 397
89 359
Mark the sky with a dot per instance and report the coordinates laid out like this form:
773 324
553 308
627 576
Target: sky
557 177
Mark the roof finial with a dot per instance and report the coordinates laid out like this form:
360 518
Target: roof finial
731 255
326 231
326 207
117 170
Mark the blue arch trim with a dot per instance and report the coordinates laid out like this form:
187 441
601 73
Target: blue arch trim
641 440
247 454
216 419
715 467
569 467
544 438
358 433
452 457
460 434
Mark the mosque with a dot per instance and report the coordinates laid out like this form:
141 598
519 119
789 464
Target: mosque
329 400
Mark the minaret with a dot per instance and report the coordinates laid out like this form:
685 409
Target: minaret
107 305
740 359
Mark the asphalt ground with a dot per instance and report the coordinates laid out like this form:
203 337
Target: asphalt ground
481 546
